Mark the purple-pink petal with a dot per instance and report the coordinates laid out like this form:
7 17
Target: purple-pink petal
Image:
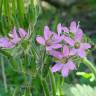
40 40
78 35
73 27
56 46
14 36
85 45
71 65
56 54
69 40
22 33
73 51
65 29
59 29
47 33
65 51
5 43
56 38
65 70
81 52
57 67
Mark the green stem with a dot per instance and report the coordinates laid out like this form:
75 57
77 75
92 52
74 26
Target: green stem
53 83
45 87
90 65
4 75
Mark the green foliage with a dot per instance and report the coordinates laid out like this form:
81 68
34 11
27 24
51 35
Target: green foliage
79 90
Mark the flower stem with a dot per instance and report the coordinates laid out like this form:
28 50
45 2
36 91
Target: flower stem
4 75
90 65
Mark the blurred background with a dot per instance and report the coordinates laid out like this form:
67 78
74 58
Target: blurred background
68 10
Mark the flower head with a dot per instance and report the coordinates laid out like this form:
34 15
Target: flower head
51 40
64 64
13 39
78 46
63 45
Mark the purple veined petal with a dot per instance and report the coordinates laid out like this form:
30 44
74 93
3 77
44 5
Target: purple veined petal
15 40
73 27
5 43
65 29
56 46
13 34
65 70
57 39
56 54
59 29
48 48
69 40
78 35
57 67
85 45
65 51
22 32
71 65
47 33
73 51
40 40
81 52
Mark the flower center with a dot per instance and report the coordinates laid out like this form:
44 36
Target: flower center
71 34
77 45
64 60
48 42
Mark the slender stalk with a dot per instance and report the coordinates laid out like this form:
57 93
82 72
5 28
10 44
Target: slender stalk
4 75
45 87
53 83
90 65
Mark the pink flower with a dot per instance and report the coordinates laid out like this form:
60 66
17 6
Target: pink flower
76 43
14 38
17 35
50 40
64 64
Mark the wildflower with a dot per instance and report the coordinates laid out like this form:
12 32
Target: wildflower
50 40
13 39
78 46
64 63
17 35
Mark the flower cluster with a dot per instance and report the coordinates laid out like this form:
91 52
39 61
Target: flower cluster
67 42
13 38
